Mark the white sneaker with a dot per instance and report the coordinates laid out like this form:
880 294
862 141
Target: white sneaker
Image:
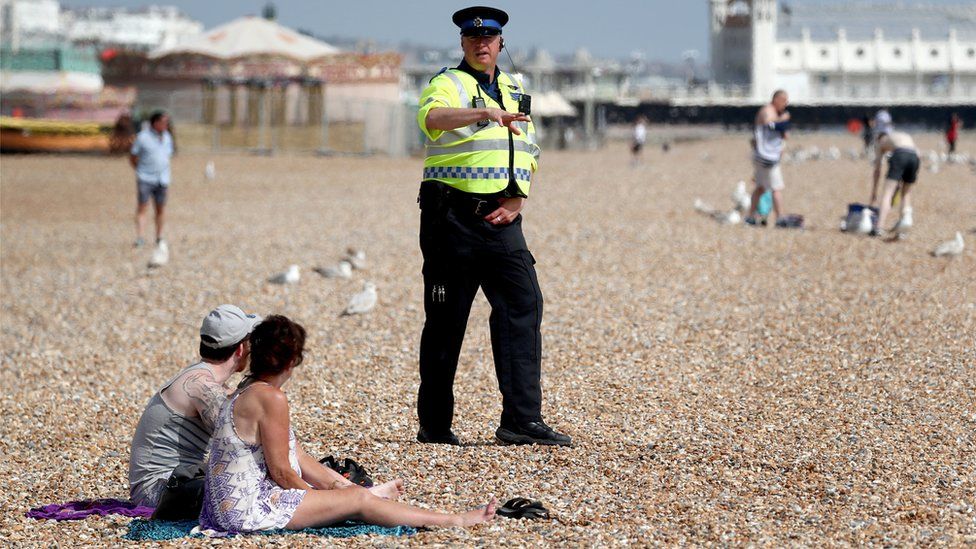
160 255
905 222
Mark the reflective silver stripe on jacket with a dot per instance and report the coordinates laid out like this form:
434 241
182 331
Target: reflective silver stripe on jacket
524 126
434 148
481 145
466 131
462 93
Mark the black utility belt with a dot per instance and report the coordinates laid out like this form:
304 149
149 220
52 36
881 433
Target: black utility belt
460 201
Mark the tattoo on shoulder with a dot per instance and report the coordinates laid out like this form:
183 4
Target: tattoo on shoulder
206 394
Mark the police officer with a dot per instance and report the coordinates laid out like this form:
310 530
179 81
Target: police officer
481 154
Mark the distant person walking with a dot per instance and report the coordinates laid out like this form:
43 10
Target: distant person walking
902 171
867 135
150 157
771 130
952 131
640 137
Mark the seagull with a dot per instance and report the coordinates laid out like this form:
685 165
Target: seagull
343 269
865 224
356 258
833 153
741 197
160 255
210 171
363 302
702 207
950 247
853 154
290 276
733 217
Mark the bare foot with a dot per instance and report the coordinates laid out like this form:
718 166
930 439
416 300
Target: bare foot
389 490
479 515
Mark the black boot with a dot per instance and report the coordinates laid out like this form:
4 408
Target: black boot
532 432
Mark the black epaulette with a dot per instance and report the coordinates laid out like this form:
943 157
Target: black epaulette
440 72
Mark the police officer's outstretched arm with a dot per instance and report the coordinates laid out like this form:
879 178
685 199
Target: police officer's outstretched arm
448 118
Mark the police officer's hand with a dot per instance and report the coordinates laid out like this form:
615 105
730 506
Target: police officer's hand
505 118
507 211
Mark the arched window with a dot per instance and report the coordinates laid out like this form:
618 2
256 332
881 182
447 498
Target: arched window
739 8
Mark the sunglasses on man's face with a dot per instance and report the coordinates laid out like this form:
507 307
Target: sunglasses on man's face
485 38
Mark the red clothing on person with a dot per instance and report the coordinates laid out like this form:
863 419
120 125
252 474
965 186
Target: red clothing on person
953 132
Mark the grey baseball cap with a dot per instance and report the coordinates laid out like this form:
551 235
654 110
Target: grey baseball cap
225 326
883 122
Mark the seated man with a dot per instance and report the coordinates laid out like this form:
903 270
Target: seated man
176 425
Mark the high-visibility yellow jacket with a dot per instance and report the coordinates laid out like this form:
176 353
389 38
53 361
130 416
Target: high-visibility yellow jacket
475 158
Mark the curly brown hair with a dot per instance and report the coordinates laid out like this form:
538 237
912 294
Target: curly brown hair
276 344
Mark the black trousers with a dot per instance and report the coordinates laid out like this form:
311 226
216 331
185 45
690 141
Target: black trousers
463 252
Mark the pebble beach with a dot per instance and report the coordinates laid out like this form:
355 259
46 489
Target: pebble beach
724 385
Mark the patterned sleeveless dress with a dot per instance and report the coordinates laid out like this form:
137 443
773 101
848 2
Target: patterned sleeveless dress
238 495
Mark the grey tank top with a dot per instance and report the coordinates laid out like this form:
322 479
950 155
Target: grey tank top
164 440
769 145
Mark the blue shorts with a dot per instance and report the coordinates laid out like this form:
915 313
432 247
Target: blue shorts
146 190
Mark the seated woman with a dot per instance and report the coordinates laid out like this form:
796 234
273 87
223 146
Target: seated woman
259 478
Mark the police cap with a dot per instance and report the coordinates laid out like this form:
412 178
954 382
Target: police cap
480 21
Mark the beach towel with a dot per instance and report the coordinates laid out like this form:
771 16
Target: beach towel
77 510
158 530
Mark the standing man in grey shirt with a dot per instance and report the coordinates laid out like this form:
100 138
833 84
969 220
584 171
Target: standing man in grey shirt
769 133
150 157
176 426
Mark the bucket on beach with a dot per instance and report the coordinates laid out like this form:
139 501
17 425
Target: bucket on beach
765 204
860 218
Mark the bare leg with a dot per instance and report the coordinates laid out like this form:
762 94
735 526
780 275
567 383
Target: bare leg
778 204
885 206
141 211
754 204
906 202
160 218
324 507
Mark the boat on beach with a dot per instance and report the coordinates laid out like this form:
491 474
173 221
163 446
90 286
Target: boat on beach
49 135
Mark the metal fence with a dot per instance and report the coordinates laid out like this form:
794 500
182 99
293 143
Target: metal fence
264 124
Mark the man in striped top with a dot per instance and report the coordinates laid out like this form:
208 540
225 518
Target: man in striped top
176 425
771 129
